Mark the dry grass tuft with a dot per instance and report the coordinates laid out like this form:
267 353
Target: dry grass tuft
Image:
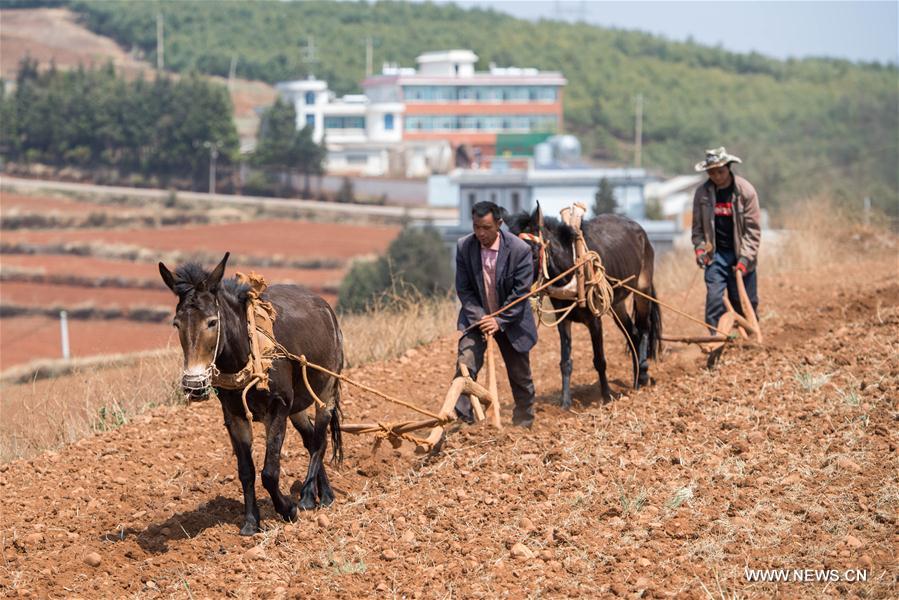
392 327
45 414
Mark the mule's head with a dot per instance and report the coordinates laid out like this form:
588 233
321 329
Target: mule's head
530 228
198 321
550 240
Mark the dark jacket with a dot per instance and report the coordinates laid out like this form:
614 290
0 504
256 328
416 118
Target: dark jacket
514 276
747 218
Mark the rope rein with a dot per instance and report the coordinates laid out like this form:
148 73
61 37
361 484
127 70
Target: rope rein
598 294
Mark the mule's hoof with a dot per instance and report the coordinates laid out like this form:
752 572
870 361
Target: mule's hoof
290 515
565 404
307 503
249 528
326 500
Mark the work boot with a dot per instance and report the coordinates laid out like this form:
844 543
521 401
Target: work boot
523 416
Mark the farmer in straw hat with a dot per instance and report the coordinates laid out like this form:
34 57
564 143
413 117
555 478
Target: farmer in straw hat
726 233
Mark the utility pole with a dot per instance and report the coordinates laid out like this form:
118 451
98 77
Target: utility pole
638 134
232 71
369 56
213 155
64 334
160 42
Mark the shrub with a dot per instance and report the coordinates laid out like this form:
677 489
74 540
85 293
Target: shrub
366 281
417 262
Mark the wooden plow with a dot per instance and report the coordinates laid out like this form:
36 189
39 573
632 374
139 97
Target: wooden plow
484 403
731 326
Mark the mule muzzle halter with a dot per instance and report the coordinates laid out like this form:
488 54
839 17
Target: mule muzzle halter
542 268
198 386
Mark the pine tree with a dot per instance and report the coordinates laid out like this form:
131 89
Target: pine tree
284 148
604 200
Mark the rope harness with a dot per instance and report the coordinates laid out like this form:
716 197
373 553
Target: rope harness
265 349
590 287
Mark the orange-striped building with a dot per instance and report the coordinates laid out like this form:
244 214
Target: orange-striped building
446 100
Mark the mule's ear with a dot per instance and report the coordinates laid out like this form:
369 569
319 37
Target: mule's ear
211 283
167 276
537 217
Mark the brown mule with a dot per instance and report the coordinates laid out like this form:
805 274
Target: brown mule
211 319
626 253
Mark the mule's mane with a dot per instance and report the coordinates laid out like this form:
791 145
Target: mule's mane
525 222
565 234
518 222
190 275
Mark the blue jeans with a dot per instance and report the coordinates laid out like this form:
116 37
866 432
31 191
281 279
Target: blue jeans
720 276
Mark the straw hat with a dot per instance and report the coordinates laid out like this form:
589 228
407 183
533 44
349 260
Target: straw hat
716 158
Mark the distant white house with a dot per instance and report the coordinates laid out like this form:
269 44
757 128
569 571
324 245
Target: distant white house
360 134
413 122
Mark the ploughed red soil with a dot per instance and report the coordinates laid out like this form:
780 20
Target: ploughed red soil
98 268
47 295
295 239
783 457
23 339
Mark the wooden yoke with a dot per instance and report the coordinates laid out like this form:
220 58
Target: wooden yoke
572 216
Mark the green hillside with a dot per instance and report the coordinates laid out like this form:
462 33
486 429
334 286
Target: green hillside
802 126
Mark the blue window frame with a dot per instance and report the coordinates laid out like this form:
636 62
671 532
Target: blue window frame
388 122
310 120
350 122
310 98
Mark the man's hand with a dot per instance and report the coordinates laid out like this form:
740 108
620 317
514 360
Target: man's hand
488 325
702 258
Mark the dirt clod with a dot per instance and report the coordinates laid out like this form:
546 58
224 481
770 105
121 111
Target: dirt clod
92 559
388 554
848 464
521 552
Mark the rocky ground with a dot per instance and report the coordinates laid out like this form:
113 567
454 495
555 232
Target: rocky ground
784 457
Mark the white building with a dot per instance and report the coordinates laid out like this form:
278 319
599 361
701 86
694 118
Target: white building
413 122
360 134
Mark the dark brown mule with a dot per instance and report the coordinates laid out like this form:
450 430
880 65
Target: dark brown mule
212 323
626 252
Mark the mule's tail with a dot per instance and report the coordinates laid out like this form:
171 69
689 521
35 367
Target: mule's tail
336 433
336 413
655 327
